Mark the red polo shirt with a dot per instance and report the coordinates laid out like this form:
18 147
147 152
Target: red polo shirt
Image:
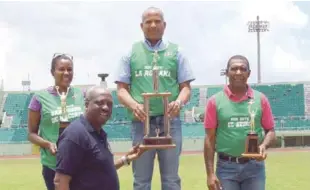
210 120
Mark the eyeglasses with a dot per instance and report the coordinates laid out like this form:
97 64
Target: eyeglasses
62 54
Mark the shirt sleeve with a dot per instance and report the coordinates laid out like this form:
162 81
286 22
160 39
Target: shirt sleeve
69 156
185 72
210 119
123 71
35 104
267 119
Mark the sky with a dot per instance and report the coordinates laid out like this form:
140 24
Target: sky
98 34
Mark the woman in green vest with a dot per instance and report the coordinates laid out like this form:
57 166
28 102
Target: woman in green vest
45 111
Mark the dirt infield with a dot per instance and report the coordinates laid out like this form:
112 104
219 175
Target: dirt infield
184 152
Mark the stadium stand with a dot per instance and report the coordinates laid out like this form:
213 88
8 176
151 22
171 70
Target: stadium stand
290 104
16 105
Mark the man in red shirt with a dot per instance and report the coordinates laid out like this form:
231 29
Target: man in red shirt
227 123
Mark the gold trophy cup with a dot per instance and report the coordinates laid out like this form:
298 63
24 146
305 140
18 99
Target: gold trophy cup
251 143
157 142
63 118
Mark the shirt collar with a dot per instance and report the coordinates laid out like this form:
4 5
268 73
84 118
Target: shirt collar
90 128
149 43
159 46
249 92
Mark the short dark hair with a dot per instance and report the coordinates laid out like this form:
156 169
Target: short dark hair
241 57
58 57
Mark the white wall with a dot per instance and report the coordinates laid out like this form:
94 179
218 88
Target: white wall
116 146
15 149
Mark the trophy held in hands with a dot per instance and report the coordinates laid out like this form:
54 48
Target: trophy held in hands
63 118
157 142
251 143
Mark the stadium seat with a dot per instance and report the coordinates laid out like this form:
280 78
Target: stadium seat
16 105
290 104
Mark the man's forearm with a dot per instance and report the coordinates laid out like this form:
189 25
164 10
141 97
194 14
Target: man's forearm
269 138
126 99
209 155
62 181
184 94
118 164
62 186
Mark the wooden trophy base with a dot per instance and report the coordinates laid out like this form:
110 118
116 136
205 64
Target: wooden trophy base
159 94
255 156
252 146
63 125
157 143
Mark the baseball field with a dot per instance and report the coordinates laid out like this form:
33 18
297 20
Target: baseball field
286 170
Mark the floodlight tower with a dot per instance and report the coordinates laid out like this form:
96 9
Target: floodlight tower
223 73
103 82
26 84
258 27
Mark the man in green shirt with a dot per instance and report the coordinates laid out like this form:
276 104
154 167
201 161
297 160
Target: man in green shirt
134 78
227 123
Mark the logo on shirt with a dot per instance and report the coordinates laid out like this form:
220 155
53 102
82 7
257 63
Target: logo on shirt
168 54
73 112
148 72
239 122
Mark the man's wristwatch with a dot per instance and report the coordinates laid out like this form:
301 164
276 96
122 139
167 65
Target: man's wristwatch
125 160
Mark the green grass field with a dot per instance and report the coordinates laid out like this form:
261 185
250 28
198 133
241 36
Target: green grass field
285 171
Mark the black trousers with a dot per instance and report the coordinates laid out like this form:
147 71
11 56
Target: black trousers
48 175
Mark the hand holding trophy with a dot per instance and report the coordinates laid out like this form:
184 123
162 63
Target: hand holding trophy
252 149
158 142
63 118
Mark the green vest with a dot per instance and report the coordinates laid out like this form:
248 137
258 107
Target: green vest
50 112
233 123
141 75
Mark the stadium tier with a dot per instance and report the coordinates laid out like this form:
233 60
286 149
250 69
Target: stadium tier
290 105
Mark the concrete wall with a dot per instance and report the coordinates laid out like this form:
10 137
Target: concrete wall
193 145
16 149
116 146
188 145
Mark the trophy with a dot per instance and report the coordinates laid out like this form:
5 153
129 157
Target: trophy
63 118
157 142
251 143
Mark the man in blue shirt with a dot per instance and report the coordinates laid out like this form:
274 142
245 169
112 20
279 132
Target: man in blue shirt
153 26
84 158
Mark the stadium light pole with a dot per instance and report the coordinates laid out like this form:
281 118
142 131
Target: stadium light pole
103 82
258 26
26 84
223 73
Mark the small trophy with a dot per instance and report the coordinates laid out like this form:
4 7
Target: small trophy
251 143
63 118
157 142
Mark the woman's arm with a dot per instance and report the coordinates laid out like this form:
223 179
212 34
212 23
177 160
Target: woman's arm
34 117
33 128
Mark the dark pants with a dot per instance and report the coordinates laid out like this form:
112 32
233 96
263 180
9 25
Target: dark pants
48 175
